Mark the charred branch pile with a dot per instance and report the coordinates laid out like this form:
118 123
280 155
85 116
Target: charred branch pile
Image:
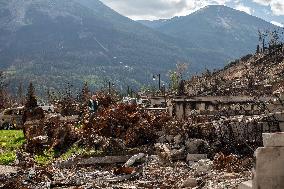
127 122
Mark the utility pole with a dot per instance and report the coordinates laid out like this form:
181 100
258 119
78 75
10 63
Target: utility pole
109 87
128 90
159 79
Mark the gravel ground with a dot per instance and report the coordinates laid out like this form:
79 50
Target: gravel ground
153 173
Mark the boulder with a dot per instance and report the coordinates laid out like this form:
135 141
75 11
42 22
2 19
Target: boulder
197 146
189 183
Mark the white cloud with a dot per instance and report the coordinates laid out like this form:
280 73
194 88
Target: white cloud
277 6
155 9
263 2
277 24
243 8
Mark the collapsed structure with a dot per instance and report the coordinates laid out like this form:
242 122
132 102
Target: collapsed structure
207 140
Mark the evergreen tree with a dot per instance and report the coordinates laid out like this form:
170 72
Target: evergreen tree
31 101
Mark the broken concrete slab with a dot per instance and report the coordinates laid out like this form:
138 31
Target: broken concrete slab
134 159
269 168
273 139
246 185
104 160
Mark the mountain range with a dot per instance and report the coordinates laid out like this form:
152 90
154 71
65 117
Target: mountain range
55 42
217 32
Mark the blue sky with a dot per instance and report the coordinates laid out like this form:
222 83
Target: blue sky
269 10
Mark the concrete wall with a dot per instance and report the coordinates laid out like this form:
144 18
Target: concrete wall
179 110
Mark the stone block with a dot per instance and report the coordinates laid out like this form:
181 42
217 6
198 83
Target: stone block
273 139
246 185
281 125
195 157
269 168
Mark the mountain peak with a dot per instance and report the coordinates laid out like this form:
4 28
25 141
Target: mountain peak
217 10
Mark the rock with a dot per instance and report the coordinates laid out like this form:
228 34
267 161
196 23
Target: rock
170 138
163 150
177 139
178 154
197 146
8 169
189 183
166 153
273 139
134 159
195 157
202 166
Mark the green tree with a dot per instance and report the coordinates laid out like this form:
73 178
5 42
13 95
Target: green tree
177 76
174 80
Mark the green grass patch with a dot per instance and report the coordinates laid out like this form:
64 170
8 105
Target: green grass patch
46 158
10 142
75 150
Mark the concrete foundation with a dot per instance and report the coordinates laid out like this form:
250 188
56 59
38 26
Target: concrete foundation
246 185
270 163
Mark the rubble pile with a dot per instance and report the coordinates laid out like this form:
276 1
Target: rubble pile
127 122
54 132
139 171
231 163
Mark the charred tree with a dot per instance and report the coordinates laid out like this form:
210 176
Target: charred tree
31 101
